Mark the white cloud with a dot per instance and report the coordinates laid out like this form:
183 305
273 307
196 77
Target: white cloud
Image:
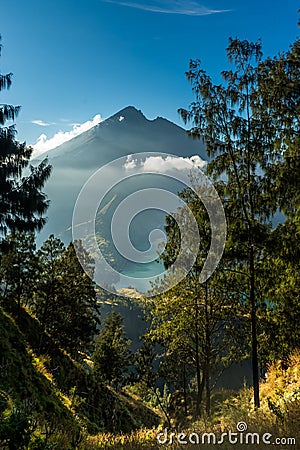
41 123
161 165
187 8
130 163
44 144
121 118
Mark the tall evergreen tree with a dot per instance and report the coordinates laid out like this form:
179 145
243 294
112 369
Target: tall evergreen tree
18 268
22 202
243 142
77 309
280 80
47 282
279 84
194 322
281 271
112 354
65 298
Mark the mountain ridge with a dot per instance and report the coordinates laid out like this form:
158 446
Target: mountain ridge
124 133
129 114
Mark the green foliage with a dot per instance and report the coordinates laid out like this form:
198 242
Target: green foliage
194 323
280 268
31 401
47 399
144 365
60 398
47 280
112 355
278 415
248 123
22 203
18 268
162 399
76 305
15 430
64 297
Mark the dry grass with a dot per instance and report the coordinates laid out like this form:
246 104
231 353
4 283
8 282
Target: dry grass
279 415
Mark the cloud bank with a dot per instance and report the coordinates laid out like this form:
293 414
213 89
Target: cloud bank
163 165
187 8
44 144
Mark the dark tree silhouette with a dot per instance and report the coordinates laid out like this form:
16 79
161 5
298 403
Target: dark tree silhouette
248 123
22 203
112 354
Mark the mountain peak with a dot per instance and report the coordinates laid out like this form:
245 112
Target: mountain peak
131 109
129 112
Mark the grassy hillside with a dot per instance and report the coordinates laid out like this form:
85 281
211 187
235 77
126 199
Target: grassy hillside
278 417
45 396
31 403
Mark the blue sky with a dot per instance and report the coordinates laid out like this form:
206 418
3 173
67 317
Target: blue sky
74 60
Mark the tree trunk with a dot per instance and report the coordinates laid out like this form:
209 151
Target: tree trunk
184 390
207 387
207 353
165 412
255 369
198 367
43 325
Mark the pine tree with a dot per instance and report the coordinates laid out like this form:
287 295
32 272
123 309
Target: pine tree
112 354
47 282
279 84
18 268
193 322
79 291
22 203
65 299
77 309
280 336
243 141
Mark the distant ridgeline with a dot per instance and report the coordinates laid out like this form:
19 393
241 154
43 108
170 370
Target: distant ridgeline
125 133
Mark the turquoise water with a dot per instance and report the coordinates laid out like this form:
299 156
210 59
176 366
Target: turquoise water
140 273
